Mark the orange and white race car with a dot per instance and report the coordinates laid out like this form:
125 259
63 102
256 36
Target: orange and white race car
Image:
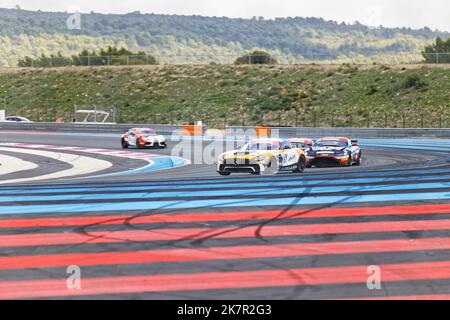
268 156
143 138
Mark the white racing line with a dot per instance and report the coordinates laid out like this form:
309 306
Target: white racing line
10 164
155 162
81 165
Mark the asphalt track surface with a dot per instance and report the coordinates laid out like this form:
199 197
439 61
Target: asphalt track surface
187 233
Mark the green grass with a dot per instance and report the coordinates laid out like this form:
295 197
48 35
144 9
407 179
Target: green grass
343 95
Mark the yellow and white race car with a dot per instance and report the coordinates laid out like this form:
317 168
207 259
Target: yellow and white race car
268 156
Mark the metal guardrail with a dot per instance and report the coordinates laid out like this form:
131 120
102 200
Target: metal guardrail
87 127
352 132
288 132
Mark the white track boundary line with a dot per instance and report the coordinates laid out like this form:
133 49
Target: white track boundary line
150 158
106 152
9 164
81 165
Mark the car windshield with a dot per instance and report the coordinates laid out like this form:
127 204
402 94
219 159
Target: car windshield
147 132
255 146
331 143
301 143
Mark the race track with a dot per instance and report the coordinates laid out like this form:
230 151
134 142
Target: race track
142 224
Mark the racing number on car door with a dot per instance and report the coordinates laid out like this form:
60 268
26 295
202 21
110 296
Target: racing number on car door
283 159
288 157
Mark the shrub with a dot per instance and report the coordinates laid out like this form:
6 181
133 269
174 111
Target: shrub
256 57
413 81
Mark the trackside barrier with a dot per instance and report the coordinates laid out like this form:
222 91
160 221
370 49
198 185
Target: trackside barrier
90 127
262 132
192 130
231 130
348 132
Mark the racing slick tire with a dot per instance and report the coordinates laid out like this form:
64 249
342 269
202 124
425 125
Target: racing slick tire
272 166
358 162
125 144
224 173
301 165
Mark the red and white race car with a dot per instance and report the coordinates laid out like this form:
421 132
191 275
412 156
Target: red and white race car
334 152
143 138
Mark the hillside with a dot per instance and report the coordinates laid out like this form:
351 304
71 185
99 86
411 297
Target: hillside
374 95
196 39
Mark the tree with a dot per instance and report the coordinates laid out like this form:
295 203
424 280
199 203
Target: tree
438 52
256 57
109 56
26 62
203 39
42 61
